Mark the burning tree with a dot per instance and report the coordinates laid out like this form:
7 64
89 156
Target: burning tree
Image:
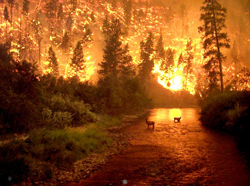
52 63
78 63
159 50
214 39
147 64
188 60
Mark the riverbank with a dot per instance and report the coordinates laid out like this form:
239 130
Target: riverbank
48 164
229 112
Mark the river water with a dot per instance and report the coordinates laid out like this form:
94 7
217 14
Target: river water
183 153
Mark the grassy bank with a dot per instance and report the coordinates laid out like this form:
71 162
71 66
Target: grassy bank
46 151
229 112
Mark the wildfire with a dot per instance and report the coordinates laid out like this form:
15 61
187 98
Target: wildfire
176 83
144 19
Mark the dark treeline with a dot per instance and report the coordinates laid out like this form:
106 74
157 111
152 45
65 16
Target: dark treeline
30 100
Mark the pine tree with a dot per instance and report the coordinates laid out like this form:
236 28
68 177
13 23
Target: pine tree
236 57
147 60
105 27
180 60
87 37
188 60
169 62
109 68
78 63
52 63
6 14
126 66
160 51
69 23
213 16
113 50
65 45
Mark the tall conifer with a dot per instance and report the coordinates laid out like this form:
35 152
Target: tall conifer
213 16
147 59
52 63
78 63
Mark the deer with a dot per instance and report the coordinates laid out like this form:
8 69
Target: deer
177 119
150 123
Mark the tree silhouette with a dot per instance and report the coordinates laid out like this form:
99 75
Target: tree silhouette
78 63
188 60
126 70
147 60
160 51
169 62
113 50
180 60
65 45
213 16
52 63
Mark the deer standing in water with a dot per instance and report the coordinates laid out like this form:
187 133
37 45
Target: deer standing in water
177 119
150 123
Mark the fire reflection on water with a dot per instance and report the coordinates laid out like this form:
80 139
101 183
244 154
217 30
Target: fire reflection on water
166 115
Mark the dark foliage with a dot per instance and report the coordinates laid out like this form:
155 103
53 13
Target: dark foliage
230 112
19 92
215 110
243 133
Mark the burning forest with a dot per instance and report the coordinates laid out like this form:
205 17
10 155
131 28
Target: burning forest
70 70
32 27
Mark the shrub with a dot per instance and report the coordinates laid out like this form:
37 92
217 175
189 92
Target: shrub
81 113
61 119
43 149
62 111
221 111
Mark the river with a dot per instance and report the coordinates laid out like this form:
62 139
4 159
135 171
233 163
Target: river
172 153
